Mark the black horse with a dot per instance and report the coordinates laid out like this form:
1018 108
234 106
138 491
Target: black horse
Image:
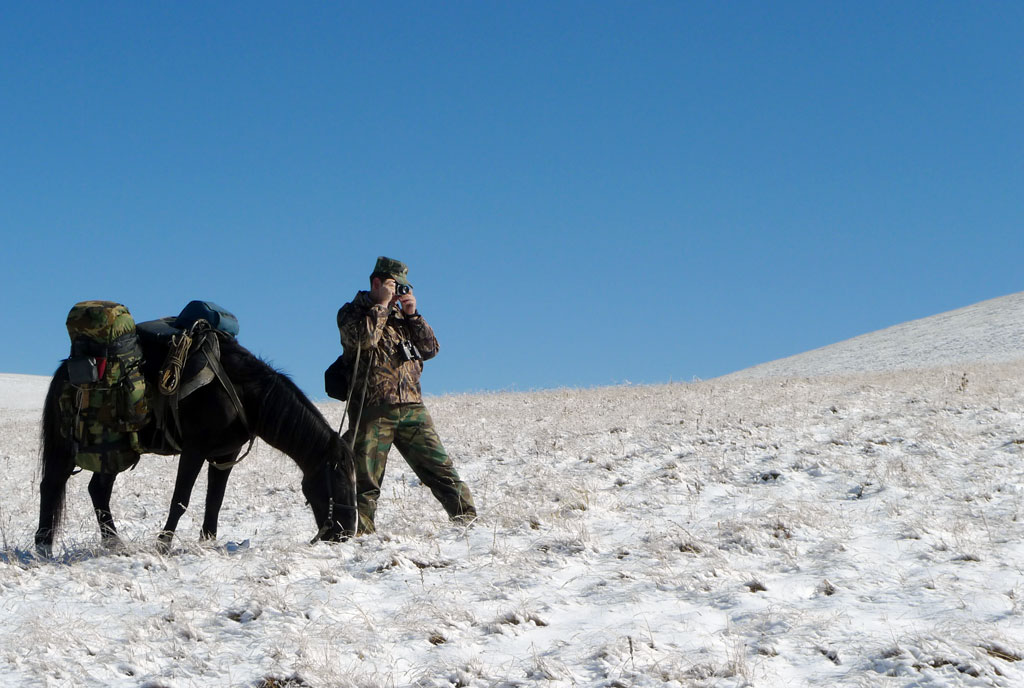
212 429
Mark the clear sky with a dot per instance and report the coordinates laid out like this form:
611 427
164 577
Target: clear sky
587 193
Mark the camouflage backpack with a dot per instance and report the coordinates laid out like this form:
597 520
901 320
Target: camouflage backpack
103 405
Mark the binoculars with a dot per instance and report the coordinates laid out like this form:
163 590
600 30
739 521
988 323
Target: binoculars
408 352
402 289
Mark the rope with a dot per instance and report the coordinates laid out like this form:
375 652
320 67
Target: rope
170 374
331 504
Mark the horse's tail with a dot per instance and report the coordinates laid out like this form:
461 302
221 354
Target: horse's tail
56 453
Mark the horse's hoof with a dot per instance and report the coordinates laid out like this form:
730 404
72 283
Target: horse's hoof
44 551
163 542
113 544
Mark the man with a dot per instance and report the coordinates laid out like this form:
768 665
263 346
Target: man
384 330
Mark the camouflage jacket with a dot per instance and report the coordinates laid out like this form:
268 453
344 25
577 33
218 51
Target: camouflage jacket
380 332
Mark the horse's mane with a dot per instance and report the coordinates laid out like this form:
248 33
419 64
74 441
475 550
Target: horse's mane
279 411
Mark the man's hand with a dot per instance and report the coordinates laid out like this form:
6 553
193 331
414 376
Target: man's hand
383 292
408 302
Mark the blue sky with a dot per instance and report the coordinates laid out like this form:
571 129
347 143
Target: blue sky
587 193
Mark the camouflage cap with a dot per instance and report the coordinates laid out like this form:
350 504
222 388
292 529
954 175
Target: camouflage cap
392 268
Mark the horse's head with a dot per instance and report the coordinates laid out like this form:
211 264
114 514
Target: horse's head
331 493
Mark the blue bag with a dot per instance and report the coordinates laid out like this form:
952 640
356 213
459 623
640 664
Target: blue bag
219 318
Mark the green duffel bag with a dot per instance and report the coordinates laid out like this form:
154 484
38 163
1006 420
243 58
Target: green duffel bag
103 405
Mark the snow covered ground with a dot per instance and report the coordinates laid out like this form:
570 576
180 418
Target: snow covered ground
862 529
23 392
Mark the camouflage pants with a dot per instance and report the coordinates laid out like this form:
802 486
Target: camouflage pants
411 429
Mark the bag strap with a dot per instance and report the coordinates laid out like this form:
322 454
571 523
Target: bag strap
354 427
351 386
229 387
362 400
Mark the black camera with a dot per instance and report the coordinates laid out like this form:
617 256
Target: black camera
402 289
409 352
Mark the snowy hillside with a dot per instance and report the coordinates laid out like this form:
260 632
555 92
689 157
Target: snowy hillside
22 391
855 530
991 331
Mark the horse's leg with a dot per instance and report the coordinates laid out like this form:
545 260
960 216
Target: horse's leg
216 484
56 464
51 503
101 486
188 470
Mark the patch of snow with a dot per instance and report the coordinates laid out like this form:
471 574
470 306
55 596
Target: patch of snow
22 391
